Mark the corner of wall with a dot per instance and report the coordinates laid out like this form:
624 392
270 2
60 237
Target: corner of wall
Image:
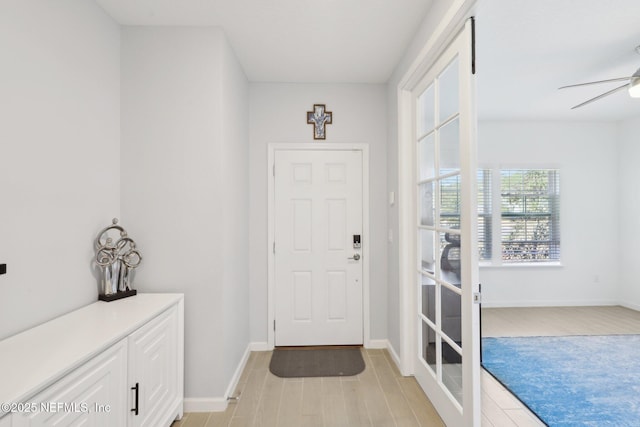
628 211
436 13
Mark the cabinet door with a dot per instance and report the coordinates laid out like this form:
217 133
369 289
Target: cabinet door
92 395
153 366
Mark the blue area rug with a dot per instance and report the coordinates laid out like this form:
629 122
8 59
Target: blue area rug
571 381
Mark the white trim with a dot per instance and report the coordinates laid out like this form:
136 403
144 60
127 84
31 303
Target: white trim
406 251
394 355
553 303
446 30
630 306
442 35
206 404
445 33
366 250
377 344
260 346
219 404
238 373
386 345
535 265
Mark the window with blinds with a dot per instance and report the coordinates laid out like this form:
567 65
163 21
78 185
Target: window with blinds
530 215
450 209
485 221
528 227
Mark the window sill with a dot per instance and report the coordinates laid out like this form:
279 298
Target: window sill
523 265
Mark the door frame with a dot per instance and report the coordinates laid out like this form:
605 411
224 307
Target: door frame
451 24
445 33
366 247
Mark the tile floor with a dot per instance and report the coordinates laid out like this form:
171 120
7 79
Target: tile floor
380 396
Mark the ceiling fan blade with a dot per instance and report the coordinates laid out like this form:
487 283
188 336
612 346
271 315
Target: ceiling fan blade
595 83
624 86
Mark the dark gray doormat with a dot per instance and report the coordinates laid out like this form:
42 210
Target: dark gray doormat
288 362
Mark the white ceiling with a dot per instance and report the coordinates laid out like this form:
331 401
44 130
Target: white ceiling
527 49
329 41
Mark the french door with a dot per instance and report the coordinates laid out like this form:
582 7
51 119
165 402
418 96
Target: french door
447 362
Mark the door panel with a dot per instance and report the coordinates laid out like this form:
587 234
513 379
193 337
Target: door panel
446 362
337 295
99 383
153 351
336 224
302 224
317 211
302 296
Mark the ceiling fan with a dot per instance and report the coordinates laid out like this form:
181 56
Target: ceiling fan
632 84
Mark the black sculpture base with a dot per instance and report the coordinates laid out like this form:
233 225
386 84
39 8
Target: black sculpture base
117 295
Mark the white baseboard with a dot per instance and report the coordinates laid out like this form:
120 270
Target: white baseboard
630 306
219 404
394 356
260 346
386 344
236 375
211 404
530 303
377 344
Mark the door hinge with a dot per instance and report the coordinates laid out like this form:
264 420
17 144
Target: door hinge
274 324
274 247
273 170
477 298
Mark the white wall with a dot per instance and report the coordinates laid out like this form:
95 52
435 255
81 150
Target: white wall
435 14
184 187
278 114
586 155
59 154
629 212
234 186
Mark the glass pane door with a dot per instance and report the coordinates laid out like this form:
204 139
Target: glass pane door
447 360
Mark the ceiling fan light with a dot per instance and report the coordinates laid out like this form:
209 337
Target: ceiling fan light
634 87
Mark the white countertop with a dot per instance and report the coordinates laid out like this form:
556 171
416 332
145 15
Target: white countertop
34 359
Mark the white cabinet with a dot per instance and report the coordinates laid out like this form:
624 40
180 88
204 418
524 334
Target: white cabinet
113 364
153 371
93 394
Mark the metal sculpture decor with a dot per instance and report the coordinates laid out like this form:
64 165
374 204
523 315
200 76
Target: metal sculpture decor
117 262
319 117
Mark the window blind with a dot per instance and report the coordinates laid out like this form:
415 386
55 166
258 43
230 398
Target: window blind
485 244
530 215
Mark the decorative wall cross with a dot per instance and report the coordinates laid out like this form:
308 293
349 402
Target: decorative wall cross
319 117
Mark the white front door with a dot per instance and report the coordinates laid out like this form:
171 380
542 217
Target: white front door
318 264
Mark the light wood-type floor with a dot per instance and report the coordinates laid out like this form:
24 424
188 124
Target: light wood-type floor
558 321
380 396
